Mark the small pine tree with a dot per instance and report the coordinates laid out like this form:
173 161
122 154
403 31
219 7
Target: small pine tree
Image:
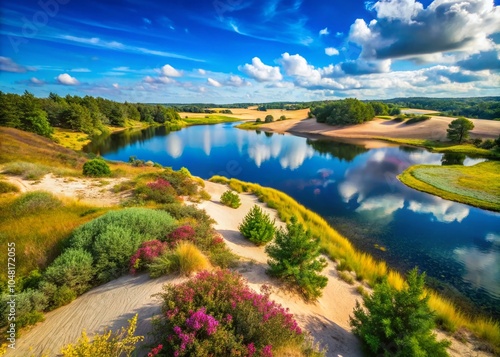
257 226
458 129
398 323
231 199
295 258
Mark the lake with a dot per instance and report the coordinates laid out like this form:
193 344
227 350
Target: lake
355 189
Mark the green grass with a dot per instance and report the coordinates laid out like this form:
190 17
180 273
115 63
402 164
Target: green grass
339 248
6 187
250 125
212 119
444 147
477 185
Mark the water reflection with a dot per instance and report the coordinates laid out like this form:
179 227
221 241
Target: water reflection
442 210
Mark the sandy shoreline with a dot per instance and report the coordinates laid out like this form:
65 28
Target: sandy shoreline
433 129
112 304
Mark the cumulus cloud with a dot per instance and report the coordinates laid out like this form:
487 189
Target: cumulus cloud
236 81
324 32
67 80
331 51
482 61
214 83
169 71
405 29
8 65
260 71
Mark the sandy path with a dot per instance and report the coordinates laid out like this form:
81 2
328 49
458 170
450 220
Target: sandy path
434 129
112 304
96 192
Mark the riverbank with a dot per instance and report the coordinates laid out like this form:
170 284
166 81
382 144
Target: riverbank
430 134
477 185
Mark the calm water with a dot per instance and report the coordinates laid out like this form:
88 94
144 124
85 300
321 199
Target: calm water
355 189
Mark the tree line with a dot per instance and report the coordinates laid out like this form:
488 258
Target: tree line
478 107
87 114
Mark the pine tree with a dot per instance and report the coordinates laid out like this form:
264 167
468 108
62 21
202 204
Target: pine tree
398 323
257 226
295 258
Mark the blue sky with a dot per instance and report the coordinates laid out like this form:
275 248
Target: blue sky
226 51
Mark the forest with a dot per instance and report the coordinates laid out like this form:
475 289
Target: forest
86 114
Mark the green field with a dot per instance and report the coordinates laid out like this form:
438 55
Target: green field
209 119
250 125
477 185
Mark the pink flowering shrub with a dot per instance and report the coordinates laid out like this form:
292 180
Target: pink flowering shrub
216 313
160 191
145 254
181 234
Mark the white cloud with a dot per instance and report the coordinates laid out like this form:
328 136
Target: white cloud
236 81
80 70
116 85
36 81
381 207
214 83
261 72
67 80
331 51
324 32
202 71
404 29
442 210
169 71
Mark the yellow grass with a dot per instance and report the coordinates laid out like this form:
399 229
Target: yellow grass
190 259
70 139
338 247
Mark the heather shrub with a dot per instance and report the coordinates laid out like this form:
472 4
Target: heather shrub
230 199
96 168
180 234
114 237
146 254
257 226
119 343
295 259
73 268
33 202
160 191
398 322
218 314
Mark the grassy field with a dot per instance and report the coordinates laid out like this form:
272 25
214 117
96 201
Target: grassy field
250 125
364 265
70 139
445 147
477 185
209 119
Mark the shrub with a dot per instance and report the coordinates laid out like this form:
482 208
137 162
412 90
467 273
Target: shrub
417 119
34 202
63 296
230 199
119 343
294 258
218 314
282 117
160 191
73 268
269 118
259 120
487 144
190 259
96 168
113 238
29 306
257 226
6 187
398 322
145 254
163 264
180 211
180 234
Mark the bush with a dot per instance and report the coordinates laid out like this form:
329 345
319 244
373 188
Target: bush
417 119
282 117
113 238
230 199
269 118
259 120
119 343
218 314
96 168
180 211
398 323
63 296
294 258
146 254
6 187
487 144
72 268
34 202
160 191
257 226
29 306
